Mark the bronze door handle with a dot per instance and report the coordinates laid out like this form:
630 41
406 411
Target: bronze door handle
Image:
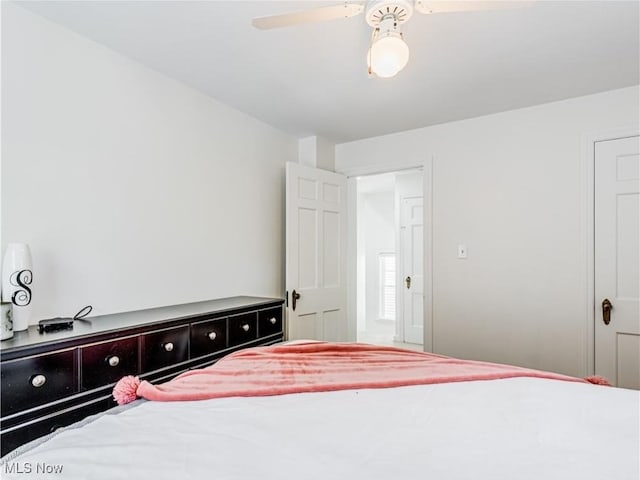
295 296
408 282
606 311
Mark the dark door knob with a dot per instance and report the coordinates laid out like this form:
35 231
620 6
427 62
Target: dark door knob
295 296
606 311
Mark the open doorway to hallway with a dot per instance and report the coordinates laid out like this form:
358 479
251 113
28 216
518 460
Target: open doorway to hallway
390 246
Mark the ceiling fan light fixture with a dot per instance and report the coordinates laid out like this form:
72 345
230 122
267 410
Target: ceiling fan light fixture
388 54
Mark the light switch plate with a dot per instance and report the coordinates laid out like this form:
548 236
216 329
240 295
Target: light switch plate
462 251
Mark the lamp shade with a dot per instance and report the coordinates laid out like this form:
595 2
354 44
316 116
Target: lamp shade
388 55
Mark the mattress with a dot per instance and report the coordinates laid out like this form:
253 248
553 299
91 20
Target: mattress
515 428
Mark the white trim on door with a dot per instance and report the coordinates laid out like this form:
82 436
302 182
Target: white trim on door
588 229
352 259
351 173
428 254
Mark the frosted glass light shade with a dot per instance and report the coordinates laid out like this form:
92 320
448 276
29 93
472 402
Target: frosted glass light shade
388 55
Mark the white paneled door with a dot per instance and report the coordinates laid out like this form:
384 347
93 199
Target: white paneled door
617 261
411 236
316 237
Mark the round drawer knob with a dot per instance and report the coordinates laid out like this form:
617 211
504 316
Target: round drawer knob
168 347
38 380
113 361
245 327
212 335
273 320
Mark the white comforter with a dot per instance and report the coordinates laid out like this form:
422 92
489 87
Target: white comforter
520 428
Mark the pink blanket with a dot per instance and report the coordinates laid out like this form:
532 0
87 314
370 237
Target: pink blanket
319 367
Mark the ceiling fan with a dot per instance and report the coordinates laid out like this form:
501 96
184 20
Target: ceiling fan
388 53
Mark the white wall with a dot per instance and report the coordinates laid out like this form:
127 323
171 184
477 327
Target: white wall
316 152
377 214
512 188
132 189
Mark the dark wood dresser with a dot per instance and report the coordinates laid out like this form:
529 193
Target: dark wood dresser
50 380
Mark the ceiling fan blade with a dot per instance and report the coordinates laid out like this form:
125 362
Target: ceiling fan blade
344 10
453 6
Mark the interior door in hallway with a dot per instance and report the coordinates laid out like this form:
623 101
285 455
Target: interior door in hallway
412 245
617 261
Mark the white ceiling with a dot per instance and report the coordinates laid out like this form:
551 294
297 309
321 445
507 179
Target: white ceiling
312 79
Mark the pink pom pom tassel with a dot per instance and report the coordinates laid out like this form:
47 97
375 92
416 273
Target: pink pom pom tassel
126 389
598 380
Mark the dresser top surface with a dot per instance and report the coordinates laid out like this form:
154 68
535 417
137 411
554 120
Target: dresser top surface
103 324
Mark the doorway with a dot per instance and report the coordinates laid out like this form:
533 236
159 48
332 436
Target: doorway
389 246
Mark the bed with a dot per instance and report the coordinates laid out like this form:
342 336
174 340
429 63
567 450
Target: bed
378 413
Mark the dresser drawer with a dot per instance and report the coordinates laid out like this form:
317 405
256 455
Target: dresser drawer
165 347
16 436
270 321
108 362
208 337
243 328
33 381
